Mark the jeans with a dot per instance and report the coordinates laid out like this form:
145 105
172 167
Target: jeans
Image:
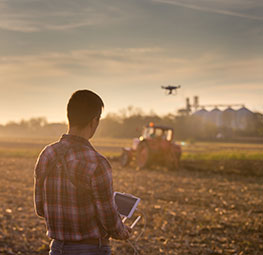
59 248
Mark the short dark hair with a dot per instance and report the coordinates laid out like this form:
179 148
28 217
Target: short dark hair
83 106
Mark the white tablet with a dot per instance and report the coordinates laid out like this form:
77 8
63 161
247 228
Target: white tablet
126 203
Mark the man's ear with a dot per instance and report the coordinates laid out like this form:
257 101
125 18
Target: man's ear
94 122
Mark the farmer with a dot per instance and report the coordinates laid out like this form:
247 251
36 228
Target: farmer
73 186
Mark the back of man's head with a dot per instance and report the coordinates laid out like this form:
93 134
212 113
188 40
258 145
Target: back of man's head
83 106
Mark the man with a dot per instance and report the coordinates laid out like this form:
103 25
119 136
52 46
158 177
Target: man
73 186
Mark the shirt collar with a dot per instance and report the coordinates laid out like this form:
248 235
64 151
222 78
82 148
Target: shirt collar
76 139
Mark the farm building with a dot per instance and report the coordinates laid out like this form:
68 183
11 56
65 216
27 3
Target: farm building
236 119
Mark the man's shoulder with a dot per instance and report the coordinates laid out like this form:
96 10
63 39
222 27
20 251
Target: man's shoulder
49 150
46 156
83 154
103 161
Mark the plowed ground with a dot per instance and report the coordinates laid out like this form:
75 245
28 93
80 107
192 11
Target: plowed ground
190 211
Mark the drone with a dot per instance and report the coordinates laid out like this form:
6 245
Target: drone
171 89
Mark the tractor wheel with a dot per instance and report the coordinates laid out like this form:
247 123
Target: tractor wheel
173 161
125 158
175 164
143 157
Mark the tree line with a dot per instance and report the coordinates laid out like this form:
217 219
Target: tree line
34 127
186 127
128 123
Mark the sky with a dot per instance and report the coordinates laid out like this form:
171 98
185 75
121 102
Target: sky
125 50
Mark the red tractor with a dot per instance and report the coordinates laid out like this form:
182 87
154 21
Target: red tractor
154 147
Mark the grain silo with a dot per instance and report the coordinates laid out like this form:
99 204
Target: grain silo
244 118
229 118
202 114
215 116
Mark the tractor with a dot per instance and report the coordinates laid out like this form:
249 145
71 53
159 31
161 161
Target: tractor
154 147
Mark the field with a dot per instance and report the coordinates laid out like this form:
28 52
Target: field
212 205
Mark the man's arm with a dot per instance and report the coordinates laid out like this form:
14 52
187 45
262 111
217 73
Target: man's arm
39 171
108 215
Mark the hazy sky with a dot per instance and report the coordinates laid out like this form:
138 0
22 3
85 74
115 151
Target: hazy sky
125 50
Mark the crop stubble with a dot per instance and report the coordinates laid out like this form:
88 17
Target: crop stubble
188 212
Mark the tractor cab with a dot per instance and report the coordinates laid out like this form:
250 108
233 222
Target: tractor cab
152 131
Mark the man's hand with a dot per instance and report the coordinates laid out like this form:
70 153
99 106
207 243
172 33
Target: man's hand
125 234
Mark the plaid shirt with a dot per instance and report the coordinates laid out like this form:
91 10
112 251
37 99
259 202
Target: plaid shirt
81 209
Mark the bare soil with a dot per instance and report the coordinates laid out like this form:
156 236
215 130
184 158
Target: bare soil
190 211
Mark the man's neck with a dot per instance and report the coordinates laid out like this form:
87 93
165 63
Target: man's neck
84 133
